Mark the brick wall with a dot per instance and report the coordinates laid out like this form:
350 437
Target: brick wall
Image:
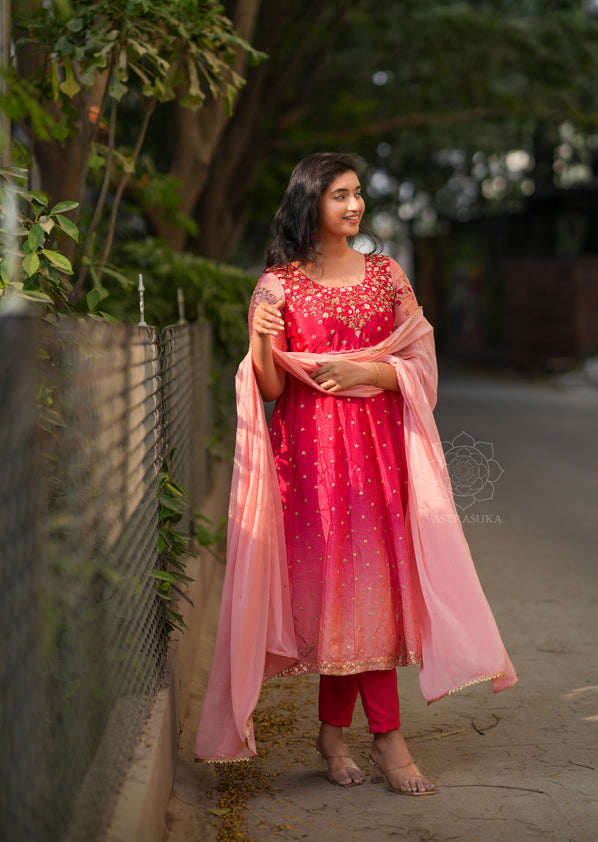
549 310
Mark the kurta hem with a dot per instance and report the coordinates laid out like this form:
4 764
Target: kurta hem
351 667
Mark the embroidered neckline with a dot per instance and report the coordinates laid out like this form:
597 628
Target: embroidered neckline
353 305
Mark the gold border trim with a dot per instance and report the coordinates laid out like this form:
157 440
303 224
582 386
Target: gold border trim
470 684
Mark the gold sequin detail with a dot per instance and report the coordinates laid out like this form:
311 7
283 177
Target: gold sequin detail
353 305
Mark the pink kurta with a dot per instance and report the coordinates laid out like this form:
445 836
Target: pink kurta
343 482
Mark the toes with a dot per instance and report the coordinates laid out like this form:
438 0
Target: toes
343 778
417 785
351 776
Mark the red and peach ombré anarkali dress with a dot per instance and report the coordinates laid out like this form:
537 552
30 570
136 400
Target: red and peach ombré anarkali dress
344 549
343 482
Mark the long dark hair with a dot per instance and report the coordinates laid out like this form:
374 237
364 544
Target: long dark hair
296 221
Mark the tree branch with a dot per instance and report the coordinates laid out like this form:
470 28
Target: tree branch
124 180
423 119
78 288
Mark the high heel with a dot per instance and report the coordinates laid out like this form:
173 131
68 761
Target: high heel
379 775
332 774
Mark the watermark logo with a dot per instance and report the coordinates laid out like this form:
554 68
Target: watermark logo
472 469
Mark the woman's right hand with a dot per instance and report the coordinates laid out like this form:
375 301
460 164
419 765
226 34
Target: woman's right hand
267 320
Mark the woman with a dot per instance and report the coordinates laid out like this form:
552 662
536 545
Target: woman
345 554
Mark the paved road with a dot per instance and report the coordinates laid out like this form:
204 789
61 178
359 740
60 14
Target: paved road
521 765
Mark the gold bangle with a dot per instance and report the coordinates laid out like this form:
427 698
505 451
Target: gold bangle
377 374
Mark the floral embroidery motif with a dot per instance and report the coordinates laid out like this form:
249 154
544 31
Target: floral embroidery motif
402 291
353 305
262 293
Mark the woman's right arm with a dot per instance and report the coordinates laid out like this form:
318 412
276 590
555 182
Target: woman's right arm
267 326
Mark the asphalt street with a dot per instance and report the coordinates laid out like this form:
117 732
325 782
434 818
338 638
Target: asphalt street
519 765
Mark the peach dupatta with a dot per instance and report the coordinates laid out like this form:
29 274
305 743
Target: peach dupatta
461 644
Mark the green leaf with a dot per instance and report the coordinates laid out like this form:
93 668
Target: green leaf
58 261
54 80
89 76
92 299
181 624
128 163
36 295
108 317
35 237
30 264
168 503
229 99
36 196
163 576
117 89
96 160
75 24
123 280
70 86
63 207
64 47
257 57
46 223
69 227
7 268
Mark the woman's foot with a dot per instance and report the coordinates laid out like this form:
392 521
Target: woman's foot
340 769
393 764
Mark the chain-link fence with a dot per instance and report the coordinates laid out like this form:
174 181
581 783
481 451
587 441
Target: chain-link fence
88 411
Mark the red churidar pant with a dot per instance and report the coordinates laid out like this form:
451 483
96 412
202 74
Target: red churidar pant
379 697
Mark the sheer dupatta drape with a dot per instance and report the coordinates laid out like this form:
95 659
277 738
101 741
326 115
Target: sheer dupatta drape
461 644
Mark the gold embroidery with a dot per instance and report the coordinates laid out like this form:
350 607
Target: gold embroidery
468 684
353 305
349 667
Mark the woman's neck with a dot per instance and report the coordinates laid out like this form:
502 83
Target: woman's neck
337 264
334 248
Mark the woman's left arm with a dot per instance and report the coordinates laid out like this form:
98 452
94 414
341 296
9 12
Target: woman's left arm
338 375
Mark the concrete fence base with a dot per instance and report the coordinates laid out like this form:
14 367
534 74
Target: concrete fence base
139 812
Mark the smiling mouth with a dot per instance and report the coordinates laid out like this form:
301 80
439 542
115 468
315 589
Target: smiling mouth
351 218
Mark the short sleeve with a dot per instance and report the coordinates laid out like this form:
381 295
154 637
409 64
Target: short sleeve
405 302
270 290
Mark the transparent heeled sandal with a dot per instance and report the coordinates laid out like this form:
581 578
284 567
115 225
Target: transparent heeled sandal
379 775
333 774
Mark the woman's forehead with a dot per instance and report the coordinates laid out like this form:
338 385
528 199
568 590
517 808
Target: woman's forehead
348 180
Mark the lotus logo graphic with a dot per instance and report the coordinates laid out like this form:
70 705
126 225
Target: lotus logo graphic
472 468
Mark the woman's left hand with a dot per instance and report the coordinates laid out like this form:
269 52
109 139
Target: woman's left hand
337 375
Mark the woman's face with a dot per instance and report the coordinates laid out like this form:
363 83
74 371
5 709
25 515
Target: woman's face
341 207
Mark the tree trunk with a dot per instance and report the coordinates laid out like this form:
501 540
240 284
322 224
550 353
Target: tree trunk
197 134
268 105
60 162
